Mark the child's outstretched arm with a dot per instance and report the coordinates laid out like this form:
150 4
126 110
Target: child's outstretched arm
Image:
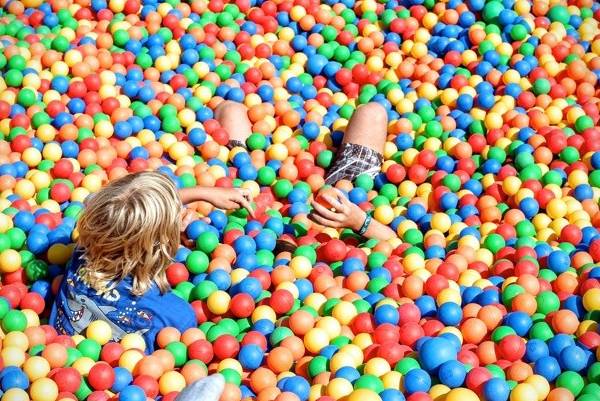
223 198
349 215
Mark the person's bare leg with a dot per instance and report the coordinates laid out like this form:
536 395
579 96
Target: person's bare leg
233 117
368 127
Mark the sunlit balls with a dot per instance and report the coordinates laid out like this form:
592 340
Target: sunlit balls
485 171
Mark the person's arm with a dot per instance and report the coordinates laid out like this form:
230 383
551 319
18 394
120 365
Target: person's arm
348 215
223 198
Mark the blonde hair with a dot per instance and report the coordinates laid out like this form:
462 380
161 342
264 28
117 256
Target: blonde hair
130 228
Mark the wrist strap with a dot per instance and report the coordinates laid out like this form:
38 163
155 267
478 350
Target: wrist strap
365 226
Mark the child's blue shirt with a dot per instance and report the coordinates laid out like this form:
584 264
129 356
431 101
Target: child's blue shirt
77 305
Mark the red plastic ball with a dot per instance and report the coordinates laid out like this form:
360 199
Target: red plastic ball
67 379
242 305
226 346
177 273
281 301
33 301
148 384
201 350
511 348
101 376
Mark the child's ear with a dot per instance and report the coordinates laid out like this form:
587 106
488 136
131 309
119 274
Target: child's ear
208 388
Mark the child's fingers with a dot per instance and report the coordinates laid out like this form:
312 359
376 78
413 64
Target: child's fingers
187 218
333 202
326 213
244 202
323 221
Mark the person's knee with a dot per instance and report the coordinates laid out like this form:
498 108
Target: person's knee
372 112
228 109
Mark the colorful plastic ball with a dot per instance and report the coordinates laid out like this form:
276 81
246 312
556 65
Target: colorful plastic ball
496 389
132 393
417 380
461 394
523 391
43 389
452 373
434 352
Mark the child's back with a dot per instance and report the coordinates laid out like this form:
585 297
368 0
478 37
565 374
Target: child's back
127 235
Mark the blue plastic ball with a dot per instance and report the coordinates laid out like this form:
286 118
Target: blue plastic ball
496 389
452 373
435 351
132 393
251 356
417 380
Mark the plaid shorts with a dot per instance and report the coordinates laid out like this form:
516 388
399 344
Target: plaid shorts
353 160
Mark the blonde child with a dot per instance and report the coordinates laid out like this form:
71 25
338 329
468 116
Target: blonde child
128 234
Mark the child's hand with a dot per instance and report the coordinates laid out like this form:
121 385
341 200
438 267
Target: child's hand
230 198
345 214
187 216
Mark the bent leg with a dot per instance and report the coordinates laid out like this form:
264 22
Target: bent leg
361 151
368 127
233 117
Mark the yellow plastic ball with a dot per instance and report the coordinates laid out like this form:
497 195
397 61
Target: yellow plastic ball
104 129
315 300
462 394
178 150
230 363
83 365
441 222
541 385
339 388
92 183
331 326
31 156
344 312
363 395
591 299
218 302
130 358
36 367
511 185
377 367
263 312
384 214
171 381
413 262
556 208
16 339
301 266
43 389
316 339
99 331
341 360
15 394
25 189
523 391
133 341
277 151
10 261
438 391
59 254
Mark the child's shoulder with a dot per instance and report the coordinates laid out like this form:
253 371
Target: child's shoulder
179 312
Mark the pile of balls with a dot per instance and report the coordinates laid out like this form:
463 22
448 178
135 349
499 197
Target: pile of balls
491 179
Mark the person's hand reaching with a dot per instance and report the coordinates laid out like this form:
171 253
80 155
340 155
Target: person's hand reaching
341 214
230 198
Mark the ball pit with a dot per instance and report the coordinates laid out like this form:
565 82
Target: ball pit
491 180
